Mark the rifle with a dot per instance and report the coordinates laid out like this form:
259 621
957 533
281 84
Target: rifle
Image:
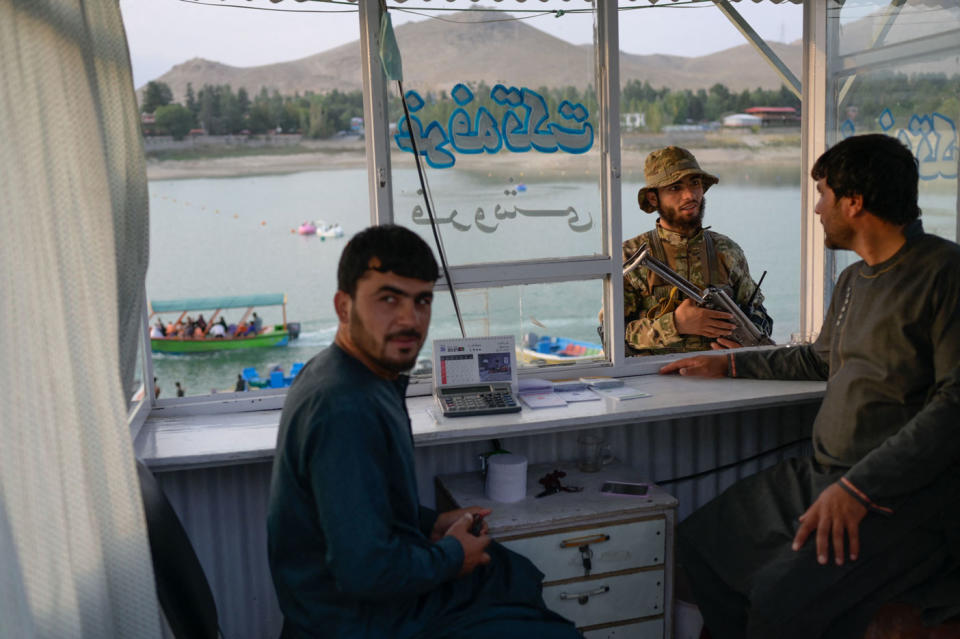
746 332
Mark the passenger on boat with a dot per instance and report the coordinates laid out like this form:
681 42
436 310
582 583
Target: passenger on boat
202 323
256 324
241 331
656 319
217 330
171 330
160 328
352 551
814 546
188 327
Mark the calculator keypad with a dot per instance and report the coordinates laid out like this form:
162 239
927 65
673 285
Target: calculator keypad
479 404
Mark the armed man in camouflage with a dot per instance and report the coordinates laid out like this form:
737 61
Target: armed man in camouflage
658 319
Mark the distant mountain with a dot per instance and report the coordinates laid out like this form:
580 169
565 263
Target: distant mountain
438 54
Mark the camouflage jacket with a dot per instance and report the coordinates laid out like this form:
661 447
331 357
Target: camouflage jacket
643 290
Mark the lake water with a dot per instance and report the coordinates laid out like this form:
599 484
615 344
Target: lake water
234 236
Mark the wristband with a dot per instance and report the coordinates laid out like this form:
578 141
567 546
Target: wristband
861 497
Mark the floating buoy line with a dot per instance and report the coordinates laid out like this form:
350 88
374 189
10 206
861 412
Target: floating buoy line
204 208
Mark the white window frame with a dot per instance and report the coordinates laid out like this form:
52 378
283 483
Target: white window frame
607 266
137 414
813 130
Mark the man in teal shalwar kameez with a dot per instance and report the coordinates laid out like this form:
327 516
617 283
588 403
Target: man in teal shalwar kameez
813 547
352 551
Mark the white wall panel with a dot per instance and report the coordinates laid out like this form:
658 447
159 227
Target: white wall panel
224 509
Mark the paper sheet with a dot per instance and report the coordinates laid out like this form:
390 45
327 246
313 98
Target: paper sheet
542 400
582 395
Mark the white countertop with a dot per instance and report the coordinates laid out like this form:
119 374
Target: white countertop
533 513
239 437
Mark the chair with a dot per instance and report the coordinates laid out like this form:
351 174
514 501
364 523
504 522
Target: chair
294 369
182 587
276 379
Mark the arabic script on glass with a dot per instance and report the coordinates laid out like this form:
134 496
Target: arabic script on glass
485 225
932 138
525 126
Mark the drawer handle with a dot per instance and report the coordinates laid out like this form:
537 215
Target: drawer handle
583 597
576 542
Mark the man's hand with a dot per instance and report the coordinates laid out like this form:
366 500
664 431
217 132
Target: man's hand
701 365
691 319
833 514
474 553
445 520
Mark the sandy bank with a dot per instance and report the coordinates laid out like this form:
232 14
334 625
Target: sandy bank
557 164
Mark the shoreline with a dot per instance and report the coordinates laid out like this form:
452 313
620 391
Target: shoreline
714 158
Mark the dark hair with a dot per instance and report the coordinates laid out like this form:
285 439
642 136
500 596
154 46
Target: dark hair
877 167
399 250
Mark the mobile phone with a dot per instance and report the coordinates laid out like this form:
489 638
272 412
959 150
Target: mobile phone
477 525
624 488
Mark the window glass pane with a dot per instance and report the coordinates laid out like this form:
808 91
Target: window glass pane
910 91
505 115
724 103
235 237
554 323
267 148
862 25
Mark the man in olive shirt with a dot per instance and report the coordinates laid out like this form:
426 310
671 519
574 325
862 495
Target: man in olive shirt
657 319
352 552
880 496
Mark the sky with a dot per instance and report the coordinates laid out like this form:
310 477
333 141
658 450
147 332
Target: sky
163 33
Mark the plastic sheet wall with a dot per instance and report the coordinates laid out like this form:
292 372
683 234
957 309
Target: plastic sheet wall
224 508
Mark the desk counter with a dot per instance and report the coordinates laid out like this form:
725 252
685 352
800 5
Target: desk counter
208 440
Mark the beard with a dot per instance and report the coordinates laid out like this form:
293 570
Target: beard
837 234
837 239
377 350
685 226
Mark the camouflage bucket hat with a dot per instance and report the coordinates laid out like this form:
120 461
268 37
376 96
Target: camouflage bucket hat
666 166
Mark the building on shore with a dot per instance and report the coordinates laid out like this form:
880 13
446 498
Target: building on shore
742 121
776 116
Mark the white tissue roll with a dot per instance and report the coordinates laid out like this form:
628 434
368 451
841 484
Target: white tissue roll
506 478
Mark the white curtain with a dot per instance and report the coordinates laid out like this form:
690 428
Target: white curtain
74 557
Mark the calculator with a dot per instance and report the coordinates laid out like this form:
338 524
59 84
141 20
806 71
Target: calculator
475 375
476 399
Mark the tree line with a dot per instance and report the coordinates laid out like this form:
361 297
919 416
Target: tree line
664 106
218 110
904 96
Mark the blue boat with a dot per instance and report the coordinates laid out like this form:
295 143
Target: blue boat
544 349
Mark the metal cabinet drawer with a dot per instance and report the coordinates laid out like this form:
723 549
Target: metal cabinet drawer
650 629
613 547
608 599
